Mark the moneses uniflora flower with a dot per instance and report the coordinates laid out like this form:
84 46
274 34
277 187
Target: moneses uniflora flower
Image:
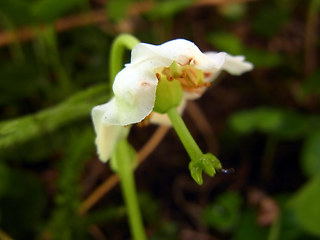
135 86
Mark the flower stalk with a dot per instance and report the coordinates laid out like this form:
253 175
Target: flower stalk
124 155
120 44
199 161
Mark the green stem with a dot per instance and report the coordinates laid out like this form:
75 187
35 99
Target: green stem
275 229
122 155
187 140
125 168
120 44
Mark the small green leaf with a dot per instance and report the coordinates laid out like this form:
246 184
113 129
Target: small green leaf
305 205
311 155
117 10
223 213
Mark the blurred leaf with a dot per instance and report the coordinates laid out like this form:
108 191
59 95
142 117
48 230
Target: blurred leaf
231 44
167 231
17 81
312 84
117 10
17 11
77 107
233 11
50 10
280 122
248 228
167 8
223 213
151 213
22 202
311 155
305 204
270 19
65 223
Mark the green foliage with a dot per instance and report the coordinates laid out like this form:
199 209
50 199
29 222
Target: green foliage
249 229
117 10
233 11
23 195
306 207
65 223
223 214
166 9
310 158
77 107
167 231
282 123
49 10
269 20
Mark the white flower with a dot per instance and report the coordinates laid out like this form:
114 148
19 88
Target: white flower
135 86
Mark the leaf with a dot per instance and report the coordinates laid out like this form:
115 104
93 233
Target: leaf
223 213
306 207
117 10
280 122
310 157
269 20
77 107
49 10
168 8
249 229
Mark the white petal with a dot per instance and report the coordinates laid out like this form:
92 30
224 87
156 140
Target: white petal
180 50
135 90
107 135
235 65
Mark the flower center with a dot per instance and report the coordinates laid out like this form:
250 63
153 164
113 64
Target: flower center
189 76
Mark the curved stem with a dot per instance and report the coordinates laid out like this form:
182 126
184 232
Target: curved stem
120 44
122 155
186 138
125 168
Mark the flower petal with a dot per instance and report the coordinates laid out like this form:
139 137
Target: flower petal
235 65
135 90
180 50
107 135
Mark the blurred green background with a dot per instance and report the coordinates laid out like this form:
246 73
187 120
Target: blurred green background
54 60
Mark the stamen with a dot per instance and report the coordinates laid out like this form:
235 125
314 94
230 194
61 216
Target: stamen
146 121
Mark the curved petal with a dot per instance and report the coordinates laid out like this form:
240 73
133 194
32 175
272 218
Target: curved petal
106 140
235 65
180 50
135 90
107 135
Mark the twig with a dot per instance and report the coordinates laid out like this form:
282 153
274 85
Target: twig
311 37
111 181
25 34
219 2
4 235
96 233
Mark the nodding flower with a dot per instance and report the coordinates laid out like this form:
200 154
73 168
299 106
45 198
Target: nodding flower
135 86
